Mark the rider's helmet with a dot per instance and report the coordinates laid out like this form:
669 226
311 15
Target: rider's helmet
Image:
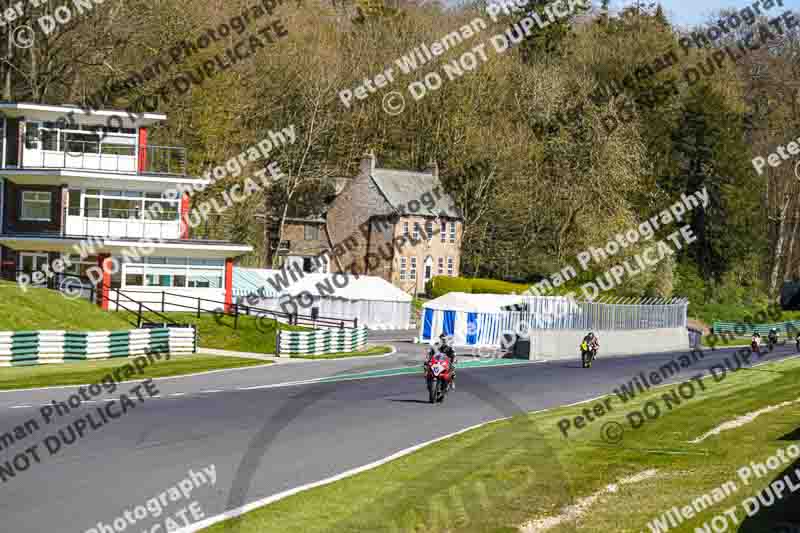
591 335
774 330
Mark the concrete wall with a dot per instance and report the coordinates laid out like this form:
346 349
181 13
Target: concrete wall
565 344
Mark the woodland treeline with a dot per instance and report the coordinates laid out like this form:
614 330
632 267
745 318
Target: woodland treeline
537 184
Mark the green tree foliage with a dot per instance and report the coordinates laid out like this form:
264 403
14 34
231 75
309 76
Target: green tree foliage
524 141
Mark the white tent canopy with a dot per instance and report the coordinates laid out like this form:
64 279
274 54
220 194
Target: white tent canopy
374 301
470 319
473 303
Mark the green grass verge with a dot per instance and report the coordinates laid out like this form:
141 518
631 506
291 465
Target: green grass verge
36 309
252 334
496 478
83 372
374 350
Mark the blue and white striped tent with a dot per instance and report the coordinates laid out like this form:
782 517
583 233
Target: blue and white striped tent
470 319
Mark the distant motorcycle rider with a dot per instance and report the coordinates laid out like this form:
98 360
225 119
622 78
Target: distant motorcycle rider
444 347
755 342
773 336
592 342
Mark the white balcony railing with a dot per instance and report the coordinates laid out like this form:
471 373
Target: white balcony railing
122 228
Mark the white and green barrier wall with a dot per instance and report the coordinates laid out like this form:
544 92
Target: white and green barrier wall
321 341
19 348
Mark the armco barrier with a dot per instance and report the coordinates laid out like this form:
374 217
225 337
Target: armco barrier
320 341
19 348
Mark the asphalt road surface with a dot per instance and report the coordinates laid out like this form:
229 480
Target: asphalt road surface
262 438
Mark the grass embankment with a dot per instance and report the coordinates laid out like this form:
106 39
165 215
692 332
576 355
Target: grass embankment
252 334
45 309
499 477
41 309
83 372
374 350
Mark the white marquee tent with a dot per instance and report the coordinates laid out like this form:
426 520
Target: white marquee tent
470 319
374 301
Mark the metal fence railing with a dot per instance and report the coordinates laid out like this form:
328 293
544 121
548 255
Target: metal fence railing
547 312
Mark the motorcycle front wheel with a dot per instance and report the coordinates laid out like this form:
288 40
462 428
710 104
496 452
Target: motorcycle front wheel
432 390
442 390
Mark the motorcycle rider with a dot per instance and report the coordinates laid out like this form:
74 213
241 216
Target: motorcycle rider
773 336
755 342
447 350
592 342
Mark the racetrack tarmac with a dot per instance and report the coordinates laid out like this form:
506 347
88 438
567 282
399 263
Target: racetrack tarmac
267 440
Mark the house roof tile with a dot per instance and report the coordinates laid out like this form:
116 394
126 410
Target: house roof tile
400 187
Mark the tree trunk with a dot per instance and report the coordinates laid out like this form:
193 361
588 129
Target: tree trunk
776 263
787 270
280 231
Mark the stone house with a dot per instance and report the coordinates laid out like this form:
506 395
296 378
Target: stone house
396 224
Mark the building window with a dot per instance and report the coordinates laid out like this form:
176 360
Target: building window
452 232
443 231
125 205
449 266
36 206
441 266
174 272
311 232
412 275
77 266
85 139
402 269
429 230
405 229
416 231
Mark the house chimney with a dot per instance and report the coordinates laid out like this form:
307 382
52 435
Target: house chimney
432 168
368 163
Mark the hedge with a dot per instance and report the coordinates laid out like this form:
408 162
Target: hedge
440 285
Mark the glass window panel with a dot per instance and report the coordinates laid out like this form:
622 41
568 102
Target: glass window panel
206 281
121 208
117 149
159 280
168 210
92 207
176 260
74 202
156 260
35 205
178 281
311 233
32 136
80 143
49 140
